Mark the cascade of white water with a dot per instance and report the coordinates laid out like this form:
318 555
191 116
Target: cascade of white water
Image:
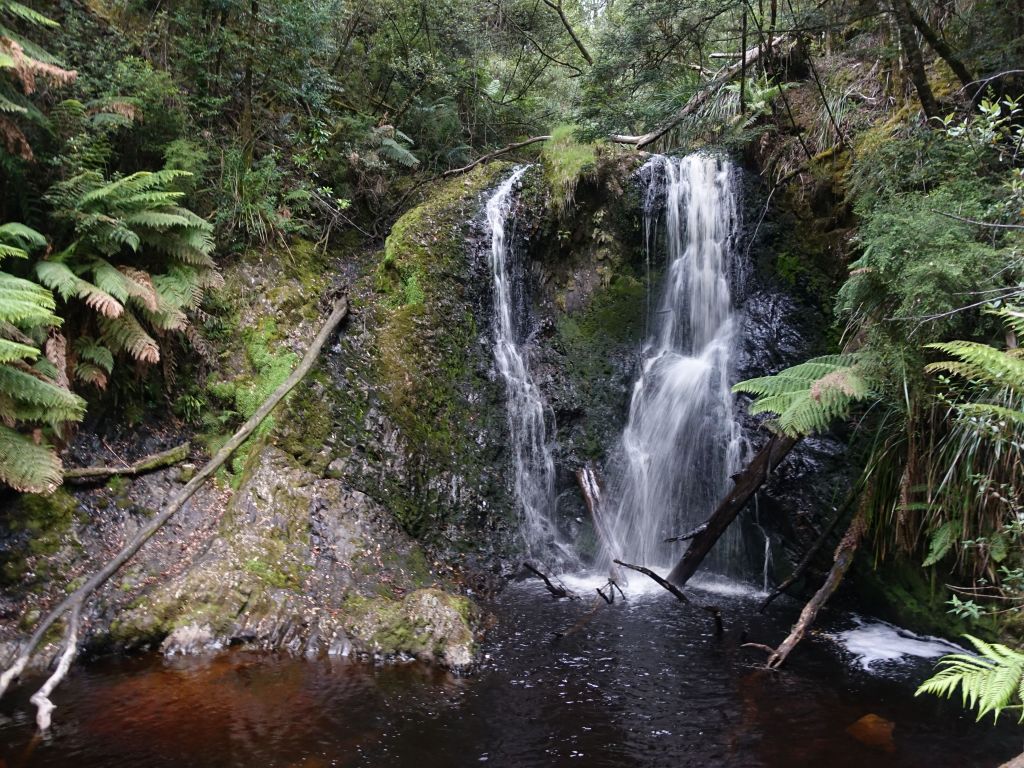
681 442
532 458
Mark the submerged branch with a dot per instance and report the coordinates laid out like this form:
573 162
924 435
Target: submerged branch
714 610
41 698
557 590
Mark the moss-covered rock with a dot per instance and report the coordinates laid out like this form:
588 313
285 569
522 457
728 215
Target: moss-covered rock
428 624
295 561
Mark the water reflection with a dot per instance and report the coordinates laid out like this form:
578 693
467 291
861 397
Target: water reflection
645 682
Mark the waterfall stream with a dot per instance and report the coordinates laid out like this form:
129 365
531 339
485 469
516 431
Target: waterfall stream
681 442
532 458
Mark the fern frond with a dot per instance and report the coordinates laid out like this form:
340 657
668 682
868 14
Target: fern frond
980 363
59 277
392 150
47 401
990 682
26 466
27 14
10 351
19 234
26 304
92 351
90 374
125 333
806 398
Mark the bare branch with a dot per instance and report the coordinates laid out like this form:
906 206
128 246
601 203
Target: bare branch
557 8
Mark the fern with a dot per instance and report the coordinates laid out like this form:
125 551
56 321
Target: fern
126 334
992 682
26 465
92 351
981 364
807 398
122 228
39 399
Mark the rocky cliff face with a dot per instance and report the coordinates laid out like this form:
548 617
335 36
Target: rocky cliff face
361 520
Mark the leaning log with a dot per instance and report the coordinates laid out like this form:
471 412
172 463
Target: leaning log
748 482
842 561
702 96
73 603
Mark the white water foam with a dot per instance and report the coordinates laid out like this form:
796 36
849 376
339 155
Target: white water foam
877 644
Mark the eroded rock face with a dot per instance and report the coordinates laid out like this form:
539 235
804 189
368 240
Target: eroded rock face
299 564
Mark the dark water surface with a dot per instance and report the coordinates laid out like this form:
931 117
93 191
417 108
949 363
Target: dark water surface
641 683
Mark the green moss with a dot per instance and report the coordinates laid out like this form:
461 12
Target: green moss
45 523
267 364
272 573
425 343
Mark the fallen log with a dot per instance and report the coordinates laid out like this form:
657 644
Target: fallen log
150 463
747 483
491 155
842 561
714 610
73 603
702 96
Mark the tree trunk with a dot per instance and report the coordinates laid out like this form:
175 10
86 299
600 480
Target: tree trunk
912 51
747 58
748 482
845 553
940 46
149 463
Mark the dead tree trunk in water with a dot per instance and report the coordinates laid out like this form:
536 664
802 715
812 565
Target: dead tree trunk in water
748 482
845 553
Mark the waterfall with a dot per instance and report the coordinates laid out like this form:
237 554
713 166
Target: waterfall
681 442
531 452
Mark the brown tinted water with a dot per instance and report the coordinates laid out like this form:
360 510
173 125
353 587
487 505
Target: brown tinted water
642 683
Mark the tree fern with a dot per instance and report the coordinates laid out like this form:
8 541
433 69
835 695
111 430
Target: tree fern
121 229
992 682
806 398
29 395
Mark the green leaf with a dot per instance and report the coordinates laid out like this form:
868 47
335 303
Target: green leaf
942 540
